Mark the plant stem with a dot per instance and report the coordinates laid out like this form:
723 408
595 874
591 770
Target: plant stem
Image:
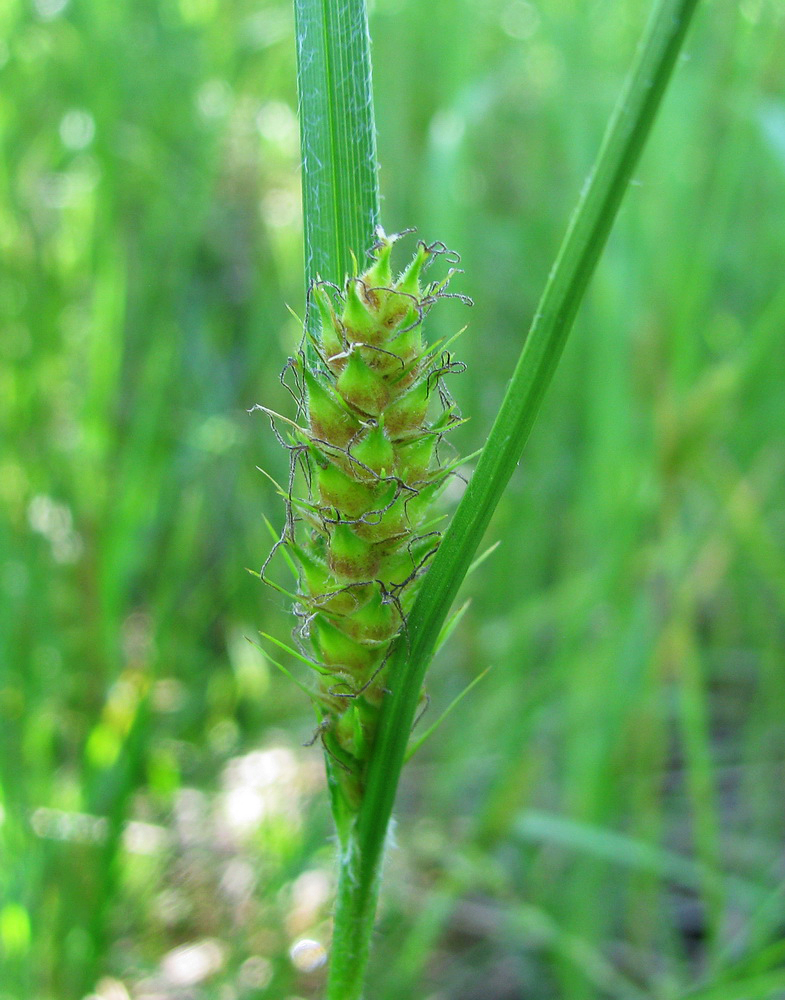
353 926
340 213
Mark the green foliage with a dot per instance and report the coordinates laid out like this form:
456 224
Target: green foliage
634 613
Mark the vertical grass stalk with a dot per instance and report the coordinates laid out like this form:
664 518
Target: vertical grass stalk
368 447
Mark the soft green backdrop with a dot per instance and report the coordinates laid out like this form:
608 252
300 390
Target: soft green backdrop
603 817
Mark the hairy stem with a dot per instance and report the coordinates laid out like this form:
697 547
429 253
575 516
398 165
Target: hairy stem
353 926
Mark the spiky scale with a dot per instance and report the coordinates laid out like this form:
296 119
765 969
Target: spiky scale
342 491
338 650
390 520
407 412
374 454
330 333
329 421
376 622
351 558
379 274
361 325
409 281
414 459
363 388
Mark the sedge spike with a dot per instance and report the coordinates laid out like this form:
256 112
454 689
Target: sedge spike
370 450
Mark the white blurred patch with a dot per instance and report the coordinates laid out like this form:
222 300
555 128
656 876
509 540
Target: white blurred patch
168 695
77 128
307 955
59 190
214 98
267 27
281 208
447 129
255 973
238 881
109 989
76 827
277 123
193 963
311 892
520 19
216 434
54 521
172 907
191 816
145 838
259 786
136 636
244 808
48 10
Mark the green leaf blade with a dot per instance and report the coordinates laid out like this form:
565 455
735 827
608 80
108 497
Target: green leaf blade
586 236
337 135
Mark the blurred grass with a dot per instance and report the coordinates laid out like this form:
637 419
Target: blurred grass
603 816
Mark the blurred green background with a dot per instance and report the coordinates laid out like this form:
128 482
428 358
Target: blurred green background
603 817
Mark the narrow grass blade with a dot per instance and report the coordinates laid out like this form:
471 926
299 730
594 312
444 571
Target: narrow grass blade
293 653
629 852
453 704
285 671
586 236
592 965
482 557
337 135
450 625
765 986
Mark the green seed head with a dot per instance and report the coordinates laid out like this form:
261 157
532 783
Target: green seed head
348 495
371 453
407 413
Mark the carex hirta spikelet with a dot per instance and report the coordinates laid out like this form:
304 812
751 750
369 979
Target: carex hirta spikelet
368 447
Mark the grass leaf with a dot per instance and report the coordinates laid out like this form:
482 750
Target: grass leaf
567 282
337 135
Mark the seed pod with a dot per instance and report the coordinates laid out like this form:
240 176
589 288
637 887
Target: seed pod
371 456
